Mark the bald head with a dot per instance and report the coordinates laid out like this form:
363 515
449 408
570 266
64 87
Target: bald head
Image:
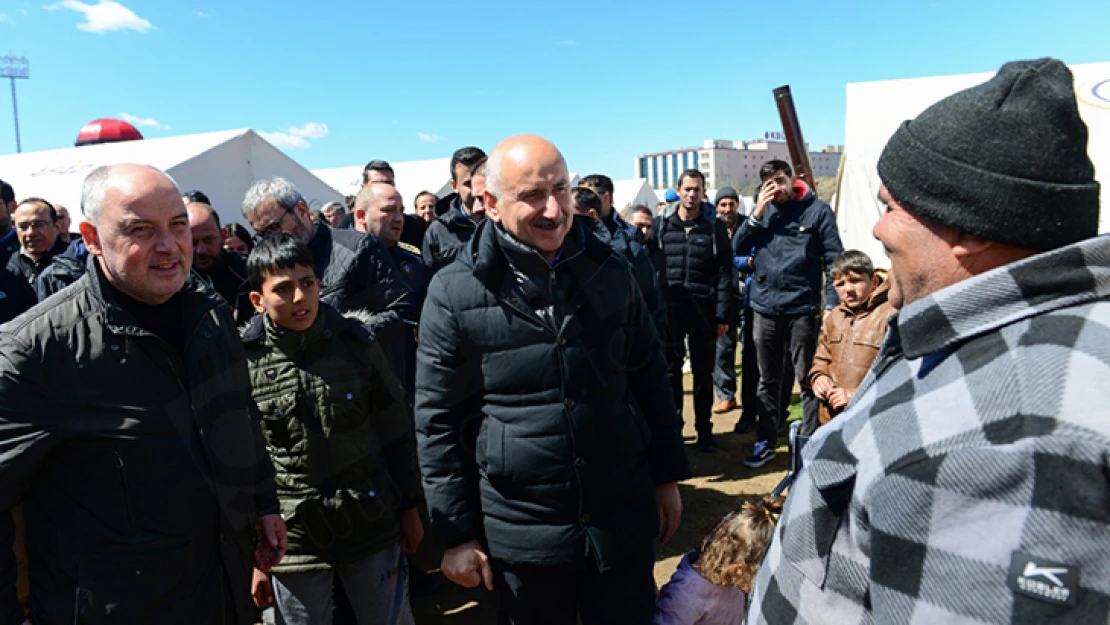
208 240
528 192
138 229
378 211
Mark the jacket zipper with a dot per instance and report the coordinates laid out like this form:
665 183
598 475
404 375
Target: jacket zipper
126 491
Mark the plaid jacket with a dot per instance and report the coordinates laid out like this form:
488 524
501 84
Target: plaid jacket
969 481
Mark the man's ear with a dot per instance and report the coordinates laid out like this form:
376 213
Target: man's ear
91 237
966 245
875 280
454 186
256 301
489 200
593 213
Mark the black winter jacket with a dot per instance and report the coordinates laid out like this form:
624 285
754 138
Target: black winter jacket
356 273
29 269
794 245
142 472
643 270
540 433
229 279
447 234
67 268
699 270
16 295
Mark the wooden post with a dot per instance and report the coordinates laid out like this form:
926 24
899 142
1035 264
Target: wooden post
799 155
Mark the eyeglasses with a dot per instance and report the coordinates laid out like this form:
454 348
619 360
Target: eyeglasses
274 227
38 224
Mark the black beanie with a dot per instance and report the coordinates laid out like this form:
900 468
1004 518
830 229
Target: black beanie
724 192
1005 161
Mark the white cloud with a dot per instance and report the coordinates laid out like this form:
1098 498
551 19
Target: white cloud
104 16
296 138
567 42
4 17
23 12
311 130
428 137
204 16
145 122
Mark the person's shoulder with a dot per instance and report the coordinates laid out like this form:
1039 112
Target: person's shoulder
54 315
409 248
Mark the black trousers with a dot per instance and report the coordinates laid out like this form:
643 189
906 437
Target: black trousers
559 595
779 338
749 377
700 331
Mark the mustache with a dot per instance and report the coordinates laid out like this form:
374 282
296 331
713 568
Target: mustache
544 222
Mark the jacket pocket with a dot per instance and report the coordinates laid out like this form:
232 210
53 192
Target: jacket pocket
491 447
125 490
279 420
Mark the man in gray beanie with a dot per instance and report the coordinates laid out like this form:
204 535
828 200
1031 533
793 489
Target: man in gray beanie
968 480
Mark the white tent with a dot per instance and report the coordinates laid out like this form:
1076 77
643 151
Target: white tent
876 109
221 164
412 177
628 193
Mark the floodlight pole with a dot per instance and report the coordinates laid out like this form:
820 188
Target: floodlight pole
12 67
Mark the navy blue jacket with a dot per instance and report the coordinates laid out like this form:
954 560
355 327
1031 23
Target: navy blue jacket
794 244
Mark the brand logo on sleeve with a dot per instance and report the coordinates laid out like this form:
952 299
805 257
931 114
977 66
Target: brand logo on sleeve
1044 580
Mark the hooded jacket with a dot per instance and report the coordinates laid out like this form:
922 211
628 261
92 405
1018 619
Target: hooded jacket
850 341
446 235
339 434
142 471
794 244
689 599
543 412
67 268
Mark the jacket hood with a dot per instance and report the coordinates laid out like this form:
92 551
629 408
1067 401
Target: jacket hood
444 204
878 297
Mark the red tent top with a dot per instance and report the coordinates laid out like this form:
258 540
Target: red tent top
107 131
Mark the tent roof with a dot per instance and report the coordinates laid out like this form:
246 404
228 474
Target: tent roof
222 164
876 109
412 178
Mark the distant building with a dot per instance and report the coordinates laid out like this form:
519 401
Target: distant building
728 163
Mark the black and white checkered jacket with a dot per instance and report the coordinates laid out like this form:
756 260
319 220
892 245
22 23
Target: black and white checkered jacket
969 481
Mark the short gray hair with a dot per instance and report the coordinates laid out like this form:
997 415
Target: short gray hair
493 173
339 207
95 188
279 189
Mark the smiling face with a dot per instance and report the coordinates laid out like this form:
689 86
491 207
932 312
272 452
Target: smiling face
426 207
142 238
35 227
291 297
534 204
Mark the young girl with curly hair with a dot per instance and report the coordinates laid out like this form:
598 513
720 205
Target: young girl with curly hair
711 584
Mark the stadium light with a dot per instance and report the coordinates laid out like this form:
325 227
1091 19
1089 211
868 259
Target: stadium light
12 67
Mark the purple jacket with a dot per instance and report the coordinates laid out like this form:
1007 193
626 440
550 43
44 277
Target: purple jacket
688 599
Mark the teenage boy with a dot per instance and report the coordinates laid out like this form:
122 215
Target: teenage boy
851 335
341 440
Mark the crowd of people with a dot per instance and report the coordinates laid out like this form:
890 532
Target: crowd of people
197 422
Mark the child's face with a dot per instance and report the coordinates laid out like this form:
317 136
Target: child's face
290 296
854 288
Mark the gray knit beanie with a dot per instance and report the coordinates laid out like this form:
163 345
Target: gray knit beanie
727 192
1005 161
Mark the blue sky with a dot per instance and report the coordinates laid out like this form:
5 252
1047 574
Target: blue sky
345 82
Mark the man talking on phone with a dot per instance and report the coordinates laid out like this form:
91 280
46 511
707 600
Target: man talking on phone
795 238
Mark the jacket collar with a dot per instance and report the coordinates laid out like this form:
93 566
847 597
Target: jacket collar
197 301
489 263
454 215
329 322
708 212
1068 276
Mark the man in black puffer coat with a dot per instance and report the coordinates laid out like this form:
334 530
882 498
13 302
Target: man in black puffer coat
548 440
699 274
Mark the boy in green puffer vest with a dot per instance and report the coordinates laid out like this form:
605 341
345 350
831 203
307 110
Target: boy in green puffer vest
342 444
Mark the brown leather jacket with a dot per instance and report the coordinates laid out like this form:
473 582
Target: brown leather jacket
850 340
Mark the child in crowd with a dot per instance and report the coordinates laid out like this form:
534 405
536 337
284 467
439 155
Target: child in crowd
852 333
342 444
711 585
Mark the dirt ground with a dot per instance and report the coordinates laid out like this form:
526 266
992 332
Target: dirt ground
706 498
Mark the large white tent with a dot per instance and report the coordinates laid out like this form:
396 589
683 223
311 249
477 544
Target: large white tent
876 109
221 164
628 193
412 177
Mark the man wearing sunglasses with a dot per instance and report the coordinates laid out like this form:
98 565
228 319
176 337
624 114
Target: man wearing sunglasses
355 270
